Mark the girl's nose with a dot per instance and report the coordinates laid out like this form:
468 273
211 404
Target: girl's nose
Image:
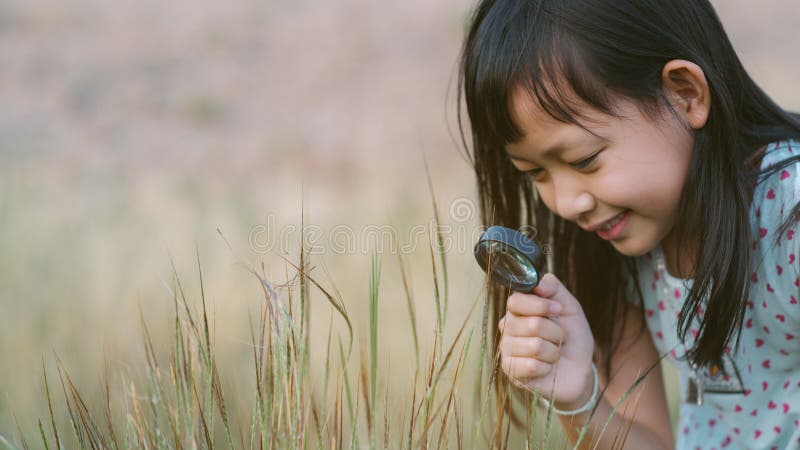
572 205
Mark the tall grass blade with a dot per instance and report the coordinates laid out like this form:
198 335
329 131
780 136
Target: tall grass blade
365 390
374 284
386 413
437 303
72 421
346 380
439 239
327 365
305 310
412 314
109 423
43 435
22 440
202 416
50 407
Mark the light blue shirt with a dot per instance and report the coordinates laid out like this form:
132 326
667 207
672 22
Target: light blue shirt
758 405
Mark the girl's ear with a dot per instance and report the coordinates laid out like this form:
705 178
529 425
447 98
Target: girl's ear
686 87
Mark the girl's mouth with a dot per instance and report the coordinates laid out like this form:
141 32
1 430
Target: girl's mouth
614 228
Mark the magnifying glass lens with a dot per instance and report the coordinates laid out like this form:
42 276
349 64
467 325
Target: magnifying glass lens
510 257
508 263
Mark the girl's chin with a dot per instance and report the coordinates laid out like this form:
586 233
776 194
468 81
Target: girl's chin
634 253
634 247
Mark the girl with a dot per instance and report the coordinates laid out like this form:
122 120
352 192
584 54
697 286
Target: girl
630 135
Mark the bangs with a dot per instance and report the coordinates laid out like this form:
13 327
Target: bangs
516 50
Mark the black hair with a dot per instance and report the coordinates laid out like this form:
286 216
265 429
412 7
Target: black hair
596 51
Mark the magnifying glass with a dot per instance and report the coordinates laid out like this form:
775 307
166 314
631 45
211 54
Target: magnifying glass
510 256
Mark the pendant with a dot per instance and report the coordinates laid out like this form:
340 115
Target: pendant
694 388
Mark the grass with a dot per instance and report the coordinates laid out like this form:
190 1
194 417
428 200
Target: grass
338 401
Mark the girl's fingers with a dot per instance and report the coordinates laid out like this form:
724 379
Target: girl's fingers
531 305
531 326
548 286
535 347
521 368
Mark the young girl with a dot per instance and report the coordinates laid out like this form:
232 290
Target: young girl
629 135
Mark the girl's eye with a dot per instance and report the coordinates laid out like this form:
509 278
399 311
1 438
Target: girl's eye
534 173
583 164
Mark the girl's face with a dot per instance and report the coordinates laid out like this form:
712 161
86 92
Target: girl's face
630 167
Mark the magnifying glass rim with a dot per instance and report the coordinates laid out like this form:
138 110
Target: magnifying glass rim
501 235
481 248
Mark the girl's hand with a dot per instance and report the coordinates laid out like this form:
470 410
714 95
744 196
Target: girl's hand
530 337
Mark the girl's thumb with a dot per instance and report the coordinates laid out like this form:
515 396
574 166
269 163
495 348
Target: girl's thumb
552 288
548 286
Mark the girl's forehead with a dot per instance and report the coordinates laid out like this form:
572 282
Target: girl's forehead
525 101
525 107
539 126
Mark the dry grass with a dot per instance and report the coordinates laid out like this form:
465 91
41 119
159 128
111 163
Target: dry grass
297 402
181 403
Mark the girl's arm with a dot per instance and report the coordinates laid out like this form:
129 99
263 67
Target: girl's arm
651 428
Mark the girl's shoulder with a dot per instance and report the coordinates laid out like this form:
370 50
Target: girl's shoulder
779 185
778 151
774 199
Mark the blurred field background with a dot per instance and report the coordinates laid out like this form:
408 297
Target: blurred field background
130 131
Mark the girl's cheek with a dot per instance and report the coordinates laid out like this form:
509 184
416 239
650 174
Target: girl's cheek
546 195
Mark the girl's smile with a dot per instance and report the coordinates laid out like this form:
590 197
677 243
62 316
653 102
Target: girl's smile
630 167
613 228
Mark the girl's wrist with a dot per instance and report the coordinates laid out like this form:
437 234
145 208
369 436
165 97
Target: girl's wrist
584 403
